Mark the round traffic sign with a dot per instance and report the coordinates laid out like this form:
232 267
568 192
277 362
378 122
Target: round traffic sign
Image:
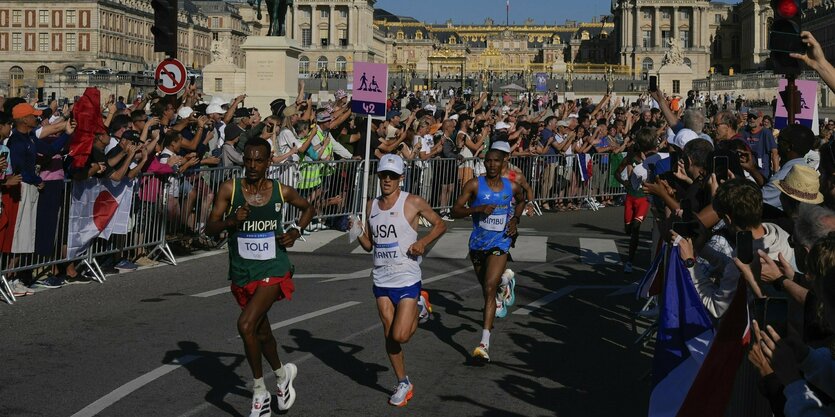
170 76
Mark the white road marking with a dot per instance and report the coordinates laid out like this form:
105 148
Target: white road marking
554 296
315 241
317 313
530 249
447 275
365 273
598 251
135 384
125 390
452 245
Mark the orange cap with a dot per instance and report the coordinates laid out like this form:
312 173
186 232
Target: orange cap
24 109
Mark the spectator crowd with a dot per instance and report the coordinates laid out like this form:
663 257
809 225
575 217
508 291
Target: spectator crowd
706 170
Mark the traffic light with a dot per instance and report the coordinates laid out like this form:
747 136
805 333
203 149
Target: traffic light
784 36
165 26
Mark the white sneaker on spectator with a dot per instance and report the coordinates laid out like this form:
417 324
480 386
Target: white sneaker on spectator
19 290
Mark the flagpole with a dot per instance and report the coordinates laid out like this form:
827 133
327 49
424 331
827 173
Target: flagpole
507 13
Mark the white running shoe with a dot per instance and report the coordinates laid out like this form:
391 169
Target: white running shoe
260 405
509 292
480 354
402 394
425 307
285 395
501 310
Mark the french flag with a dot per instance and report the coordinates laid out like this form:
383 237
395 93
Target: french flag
585 166
648 286
695 364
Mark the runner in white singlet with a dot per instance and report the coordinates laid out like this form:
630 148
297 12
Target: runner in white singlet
391 233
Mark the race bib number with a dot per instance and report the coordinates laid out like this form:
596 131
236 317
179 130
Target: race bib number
494 222
257 246
386 253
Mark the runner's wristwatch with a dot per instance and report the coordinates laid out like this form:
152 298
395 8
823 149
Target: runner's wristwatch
297 228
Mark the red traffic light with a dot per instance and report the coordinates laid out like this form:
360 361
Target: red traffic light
787 8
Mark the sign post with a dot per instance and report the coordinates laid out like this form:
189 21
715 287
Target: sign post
170 76
797 103
369 97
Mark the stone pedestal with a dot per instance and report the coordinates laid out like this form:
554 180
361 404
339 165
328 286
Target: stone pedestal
223 78
669 73
272 70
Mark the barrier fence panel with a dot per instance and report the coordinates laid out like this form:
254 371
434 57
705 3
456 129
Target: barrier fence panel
144 230
34 254
176 208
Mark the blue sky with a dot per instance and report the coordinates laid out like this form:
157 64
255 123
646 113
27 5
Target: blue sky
475 11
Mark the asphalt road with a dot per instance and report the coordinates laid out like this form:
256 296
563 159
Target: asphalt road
143 344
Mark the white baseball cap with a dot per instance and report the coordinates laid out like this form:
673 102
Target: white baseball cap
502 125
500 146
214 108
185 112
682 137
392 163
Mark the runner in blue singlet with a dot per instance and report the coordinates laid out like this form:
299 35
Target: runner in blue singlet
488 200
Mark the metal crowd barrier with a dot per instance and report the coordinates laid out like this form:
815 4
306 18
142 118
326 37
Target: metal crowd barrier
176 208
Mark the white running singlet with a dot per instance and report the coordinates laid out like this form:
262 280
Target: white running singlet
393 235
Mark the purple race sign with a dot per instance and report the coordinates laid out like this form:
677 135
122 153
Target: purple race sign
370 88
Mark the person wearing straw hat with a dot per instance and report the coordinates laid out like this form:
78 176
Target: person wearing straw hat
801 185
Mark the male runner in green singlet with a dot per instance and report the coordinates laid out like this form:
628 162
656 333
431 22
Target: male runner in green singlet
260 271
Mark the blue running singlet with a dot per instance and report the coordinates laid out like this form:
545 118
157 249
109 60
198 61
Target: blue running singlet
490 232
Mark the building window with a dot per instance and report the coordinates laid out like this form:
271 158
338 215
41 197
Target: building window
215 22
343 37
665 13
647 38
17 41
400 35
214 36
307 37
43 17
41 72
17 17
71 17
419 35
343 13
717 18
688 62
15 81
717 47
324 13
322 63
218 85
685 14
646 65
43 42
665 36
304 65
341 64
684 35
647 13
69 43
676 87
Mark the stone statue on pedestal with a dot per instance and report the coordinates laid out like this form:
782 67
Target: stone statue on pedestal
674 55
277 10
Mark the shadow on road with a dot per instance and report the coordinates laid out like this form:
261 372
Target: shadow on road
331 353
209 369
488 410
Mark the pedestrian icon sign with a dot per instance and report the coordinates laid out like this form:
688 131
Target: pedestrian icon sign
370 88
